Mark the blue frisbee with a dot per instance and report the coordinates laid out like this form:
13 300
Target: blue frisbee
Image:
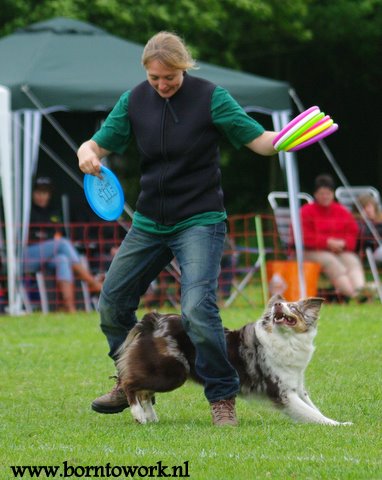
105 195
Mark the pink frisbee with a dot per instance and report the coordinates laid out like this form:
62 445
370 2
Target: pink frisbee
300 130
317 129
320 122
300 126
293 122
333 128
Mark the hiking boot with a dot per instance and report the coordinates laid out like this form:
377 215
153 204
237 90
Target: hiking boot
113 402
223 412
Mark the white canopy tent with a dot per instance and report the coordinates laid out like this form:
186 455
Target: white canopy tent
19 144
58 85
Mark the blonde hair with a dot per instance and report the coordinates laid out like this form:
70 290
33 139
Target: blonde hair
169 49
365 199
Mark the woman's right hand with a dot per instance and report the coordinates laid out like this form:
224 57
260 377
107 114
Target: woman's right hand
89 157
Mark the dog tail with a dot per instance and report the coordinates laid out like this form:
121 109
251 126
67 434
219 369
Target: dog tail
148 324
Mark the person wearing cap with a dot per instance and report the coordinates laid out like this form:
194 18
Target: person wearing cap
48 248
330 235
177 121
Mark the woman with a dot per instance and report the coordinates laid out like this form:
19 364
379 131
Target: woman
330 236
373 212
47 247
177 121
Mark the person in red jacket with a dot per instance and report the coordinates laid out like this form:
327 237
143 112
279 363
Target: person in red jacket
330 235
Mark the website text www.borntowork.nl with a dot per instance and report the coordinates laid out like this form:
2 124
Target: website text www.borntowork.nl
157 470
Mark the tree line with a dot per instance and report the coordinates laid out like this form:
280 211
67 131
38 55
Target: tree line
329 52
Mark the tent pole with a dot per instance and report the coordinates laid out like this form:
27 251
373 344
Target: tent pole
340 175
6 169
174 270
75 176
40 107
293 189
288 164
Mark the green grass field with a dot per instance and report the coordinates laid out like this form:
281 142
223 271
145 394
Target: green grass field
53 366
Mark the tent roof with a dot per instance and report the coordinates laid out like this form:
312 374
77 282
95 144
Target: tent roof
75 64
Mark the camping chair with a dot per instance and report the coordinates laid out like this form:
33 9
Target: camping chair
39 289
34 293
237 287
279 202
348 195
241 261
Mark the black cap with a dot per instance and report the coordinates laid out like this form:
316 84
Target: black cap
43 183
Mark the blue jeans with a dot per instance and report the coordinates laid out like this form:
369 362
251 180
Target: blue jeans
58 254
140 259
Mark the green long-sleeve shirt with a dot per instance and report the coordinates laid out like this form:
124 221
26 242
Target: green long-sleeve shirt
228 117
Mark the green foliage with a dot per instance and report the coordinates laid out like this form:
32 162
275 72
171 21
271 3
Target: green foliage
354 39
53 366
329 51
213 28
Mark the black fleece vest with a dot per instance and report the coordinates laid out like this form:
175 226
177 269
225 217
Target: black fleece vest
178 145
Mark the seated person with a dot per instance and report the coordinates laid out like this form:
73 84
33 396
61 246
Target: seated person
98 239
47 246
330 235
373 213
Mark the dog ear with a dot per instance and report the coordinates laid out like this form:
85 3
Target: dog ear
311 308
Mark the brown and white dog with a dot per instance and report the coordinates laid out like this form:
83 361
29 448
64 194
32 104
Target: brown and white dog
270 356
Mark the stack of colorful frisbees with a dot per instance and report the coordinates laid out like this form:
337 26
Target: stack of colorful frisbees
309 127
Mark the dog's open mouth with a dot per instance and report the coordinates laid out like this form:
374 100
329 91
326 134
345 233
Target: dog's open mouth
280 317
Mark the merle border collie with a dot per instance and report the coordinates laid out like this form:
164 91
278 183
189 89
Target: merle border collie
270 356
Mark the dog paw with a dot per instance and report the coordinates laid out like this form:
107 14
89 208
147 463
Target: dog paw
336 424
141 421
153 418
138 414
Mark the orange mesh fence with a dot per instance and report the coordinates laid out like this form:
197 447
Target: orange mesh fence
97 243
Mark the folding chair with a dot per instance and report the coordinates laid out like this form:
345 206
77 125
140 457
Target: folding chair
348 195
238 287
374 272
279 202
247 261
34 292
44 286
90 302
